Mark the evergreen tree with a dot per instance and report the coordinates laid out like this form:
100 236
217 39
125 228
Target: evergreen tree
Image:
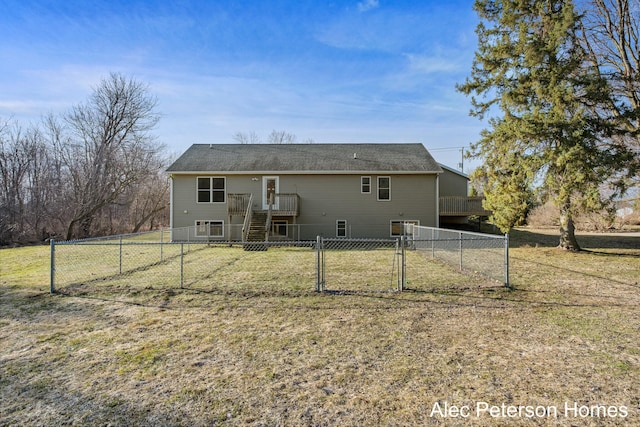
530 76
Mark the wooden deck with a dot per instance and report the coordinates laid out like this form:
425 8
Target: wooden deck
462 206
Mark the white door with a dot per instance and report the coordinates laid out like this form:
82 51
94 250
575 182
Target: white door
270 187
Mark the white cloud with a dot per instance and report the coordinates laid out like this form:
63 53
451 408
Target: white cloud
367 5
422 64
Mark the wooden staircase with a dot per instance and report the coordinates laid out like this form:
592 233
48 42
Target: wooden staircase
257 234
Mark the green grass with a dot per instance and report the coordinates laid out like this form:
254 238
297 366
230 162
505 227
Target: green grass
254 344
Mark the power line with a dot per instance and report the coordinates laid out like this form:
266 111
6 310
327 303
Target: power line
460 149
446 148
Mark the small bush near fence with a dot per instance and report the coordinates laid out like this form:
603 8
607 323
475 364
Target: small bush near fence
151 262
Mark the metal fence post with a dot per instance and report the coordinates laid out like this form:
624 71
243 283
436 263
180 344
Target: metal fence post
181 264
120 254
161 245
324 271
460 236
506 260
319 265
52 268
433 243
403 263
397 259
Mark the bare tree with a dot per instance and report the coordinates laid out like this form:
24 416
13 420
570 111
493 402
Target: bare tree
109 148
275 137
150 200
281 137
39 181
95 170
611 36
246 138
13 169
26 177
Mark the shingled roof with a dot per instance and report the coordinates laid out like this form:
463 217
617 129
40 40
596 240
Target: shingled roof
305 158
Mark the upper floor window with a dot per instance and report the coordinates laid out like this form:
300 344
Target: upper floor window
365 184
384 188
211 189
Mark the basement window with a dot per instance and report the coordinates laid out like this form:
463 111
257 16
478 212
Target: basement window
341 228
208 228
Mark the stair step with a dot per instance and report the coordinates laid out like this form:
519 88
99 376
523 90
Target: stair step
256 234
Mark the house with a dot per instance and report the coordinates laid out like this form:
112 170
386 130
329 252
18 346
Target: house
299 191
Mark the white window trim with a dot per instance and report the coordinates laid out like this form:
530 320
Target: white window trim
391 222
211 189
378 189
207 223
362 185
344 221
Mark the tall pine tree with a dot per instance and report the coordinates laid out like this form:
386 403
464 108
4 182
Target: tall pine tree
531 79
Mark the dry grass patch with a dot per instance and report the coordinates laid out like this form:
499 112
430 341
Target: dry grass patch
128 351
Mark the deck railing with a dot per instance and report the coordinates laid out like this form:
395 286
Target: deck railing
462 206
286 204
267 223
237 203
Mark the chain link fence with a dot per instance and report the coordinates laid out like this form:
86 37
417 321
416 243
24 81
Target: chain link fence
477 253
133 262
151 261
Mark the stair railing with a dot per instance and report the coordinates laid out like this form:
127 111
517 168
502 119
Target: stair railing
267 224
247 219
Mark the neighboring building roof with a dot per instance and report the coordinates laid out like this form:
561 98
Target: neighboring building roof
306 158
452 170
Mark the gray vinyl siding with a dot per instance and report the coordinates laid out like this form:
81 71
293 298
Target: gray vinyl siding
185 199
323 200
453 184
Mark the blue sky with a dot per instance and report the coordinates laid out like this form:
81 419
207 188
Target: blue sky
329 71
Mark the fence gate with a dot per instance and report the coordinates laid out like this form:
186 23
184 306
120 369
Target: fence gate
360 265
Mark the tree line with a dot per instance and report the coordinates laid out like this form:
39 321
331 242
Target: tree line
558 82
275 137
94 170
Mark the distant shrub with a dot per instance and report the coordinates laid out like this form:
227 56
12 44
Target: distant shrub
548 215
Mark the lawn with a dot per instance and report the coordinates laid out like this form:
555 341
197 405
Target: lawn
561 349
